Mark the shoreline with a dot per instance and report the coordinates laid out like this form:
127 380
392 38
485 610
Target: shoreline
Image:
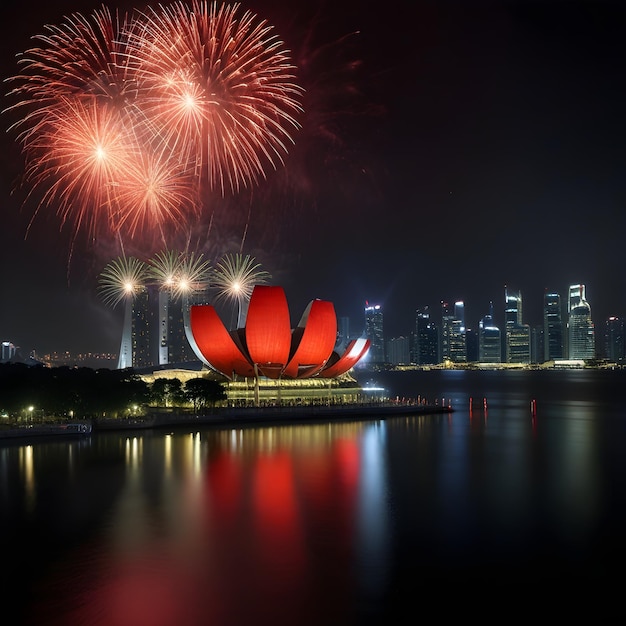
227 417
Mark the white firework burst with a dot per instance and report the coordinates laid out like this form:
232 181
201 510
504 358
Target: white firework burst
122 278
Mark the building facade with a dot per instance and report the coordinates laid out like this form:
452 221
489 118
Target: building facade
553 338
489 339
398 351
426 339
374 331
517 334
614 339
156 329
453 344
580 327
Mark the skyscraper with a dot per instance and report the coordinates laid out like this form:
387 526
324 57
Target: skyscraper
374 332
142 330
458 345
426 344
552 326
156 329
8 351
453 346
580 328
489 339
517 334
614 339
397 351
343 332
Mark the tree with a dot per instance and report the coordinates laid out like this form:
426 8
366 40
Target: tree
204 391
167 391
62 391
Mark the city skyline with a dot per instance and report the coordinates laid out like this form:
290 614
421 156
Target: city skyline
503 318
567 331
447 150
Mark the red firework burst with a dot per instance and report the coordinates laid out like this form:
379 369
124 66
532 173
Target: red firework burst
124 121
220 84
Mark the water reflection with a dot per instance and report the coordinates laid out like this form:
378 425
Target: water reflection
317 524
234 527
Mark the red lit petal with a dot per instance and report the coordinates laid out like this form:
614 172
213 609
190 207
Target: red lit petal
354 351
317 334
216 344
268 330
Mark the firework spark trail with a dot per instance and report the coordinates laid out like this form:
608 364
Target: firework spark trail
178 273
153 196
219 84
122 278
125 121
234 277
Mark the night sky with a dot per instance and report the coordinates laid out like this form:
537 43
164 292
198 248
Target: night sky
447 149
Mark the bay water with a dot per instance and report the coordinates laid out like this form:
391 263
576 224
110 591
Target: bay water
512 506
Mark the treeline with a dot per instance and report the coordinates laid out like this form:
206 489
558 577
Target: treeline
35 392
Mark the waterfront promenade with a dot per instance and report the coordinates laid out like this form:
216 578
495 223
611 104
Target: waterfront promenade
231 417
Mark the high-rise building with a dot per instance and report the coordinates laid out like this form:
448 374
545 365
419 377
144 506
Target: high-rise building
471 341
453 345
614 339
536 344
552 326
458 344
489 339
517 334
156 329
447 317
398 351
172 328
580 328
8 351
142 329
343 332
426 344
374 332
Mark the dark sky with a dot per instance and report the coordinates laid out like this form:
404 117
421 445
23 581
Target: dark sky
448 149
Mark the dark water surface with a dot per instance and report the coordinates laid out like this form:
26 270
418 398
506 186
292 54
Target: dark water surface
511 508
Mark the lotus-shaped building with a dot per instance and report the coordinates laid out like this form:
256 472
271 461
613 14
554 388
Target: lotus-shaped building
268 346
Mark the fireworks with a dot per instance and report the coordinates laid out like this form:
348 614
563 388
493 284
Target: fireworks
235 277
126 120
122 278
176 272
220 87
180 273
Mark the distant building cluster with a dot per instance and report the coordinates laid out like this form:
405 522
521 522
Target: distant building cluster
568 333
81 359
156 333
12 354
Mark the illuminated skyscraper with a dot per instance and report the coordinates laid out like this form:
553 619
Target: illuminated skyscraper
174 346
142 329
580 328
489 339
426 344
156 328
458 346
374 332
552 326
614 339
453 346
8 351
447 317
517 337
